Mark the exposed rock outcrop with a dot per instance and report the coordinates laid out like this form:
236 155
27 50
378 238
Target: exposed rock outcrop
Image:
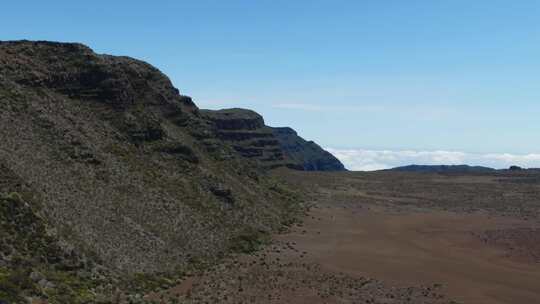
272 147
306 155
246 132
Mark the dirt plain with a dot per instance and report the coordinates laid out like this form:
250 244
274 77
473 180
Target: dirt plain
389 237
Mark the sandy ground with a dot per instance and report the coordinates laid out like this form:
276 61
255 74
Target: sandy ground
419 249
391 238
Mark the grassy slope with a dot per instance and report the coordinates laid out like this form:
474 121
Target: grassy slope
125 170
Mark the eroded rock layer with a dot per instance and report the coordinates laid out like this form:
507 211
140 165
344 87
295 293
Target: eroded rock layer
246 131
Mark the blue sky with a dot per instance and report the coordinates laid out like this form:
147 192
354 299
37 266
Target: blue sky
451 76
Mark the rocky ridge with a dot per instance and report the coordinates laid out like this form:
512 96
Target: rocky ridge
272 147
306 155
119 177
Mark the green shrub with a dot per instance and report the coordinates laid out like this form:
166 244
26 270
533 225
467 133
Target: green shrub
249 241
13 283
12 197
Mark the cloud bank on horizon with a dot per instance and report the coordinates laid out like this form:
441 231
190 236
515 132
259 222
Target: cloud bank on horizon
370 160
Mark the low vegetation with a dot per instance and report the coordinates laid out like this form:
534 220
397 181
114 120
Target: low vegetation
113 183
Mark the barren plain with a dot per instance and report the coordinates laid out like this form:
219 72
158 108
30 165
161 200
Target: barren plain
389 237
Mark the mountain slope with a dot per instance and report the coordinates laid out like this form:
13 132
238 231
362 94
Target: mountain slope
127 171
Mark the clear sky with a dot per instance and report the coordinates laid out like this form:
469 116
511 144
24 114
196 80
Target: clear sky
380 75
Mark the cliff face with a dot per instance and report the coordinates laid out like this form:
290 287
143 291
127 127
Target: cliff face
272 147
248 135
306 155
119 167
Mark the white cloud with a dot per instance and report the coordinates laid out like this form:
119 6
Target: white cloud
369 160
512 158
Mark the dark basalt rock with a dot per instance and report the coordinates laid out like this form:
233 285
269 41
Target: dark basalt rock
273 147
246 132
224 194
306 155
236 119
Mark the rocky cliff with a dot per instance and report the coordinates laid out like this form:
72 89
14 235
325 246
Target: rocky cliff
246 131
305 155
119 179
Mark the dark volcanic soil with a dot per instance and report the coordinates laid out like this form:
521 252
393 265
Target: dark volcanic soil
391 238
